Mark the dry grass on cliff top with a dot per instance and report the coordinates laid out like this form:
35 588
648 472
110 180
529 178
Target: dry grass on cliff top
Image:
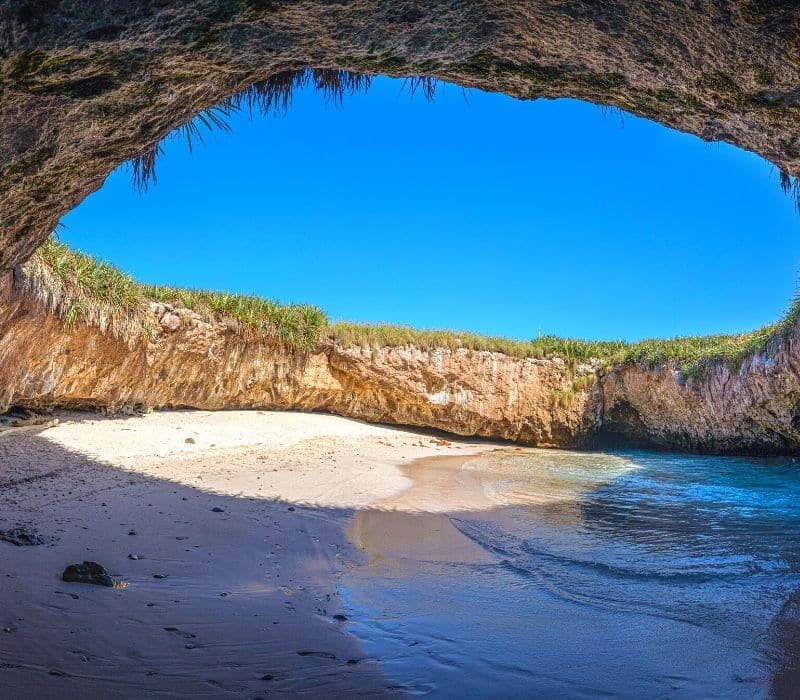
77 287
81 288
692 355
295 325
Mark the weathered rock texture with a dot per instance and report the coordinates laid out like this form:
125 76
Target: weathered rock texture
205 365
193 363
86 85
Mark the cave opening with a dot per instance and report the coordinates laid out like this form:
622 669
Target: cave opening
424 204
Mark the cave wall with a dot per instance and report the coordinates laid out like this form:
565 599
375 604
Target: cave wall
86 85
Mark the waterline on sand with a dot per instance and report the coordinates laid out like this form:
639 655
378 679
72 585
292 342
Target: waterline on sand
632 574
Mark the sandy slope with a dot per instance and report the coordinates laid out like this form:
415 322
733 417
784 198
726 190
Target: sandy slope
248 592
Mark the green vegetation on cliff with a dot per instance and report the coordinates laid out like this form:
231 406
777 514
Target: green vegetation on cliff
295 325
692 355
386 335
81 288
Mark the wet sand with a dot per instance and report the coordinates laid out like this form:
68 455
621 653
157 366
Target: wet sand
539 573
237 601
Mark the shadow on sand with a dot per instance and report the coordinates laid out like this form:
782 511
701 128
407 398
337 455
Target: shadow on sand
238 600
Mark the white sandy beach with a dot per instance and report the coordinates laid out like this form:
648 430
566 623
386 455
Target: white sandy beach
245 598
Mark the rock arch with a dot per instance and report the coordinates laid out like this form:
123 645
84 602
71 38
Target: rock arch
85 86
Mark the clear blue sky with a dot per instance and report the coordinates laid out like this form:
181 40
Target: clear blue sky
487 214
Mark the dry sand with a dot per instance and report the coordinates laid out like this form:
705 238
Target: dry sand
248 596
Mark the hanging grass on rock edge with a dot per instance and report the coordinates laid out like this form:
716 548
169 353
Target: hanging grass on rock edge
81 288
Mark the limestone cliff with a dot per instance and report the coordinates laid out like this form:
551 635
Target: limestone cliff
189 362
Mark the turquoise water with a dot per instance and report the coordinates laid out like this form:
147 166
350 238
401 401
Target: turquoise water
630 575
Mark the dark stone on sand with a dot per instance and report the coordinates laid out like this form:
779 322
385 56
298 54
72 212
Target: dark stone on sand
89 572
133 557
267 677
340 618
189 441
320 654
291 508
159 576
217 509
21 537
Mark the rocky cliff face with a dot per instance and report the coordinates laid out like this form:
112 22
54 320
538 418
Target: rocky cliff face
87 85
192 363
754 409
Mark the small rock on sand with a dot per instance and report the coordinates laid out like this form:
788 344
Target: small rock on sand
89 572
21 537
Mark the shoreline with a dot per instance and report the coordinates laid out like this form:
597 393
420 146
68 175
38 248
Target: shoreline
248 596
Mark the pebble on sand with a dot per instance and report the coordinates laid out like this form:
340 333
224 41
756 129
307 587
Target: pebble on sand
21 537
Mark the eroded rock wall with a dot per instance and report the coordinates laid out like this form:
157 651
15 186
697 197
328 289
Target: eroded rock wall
754 408
210 366
192 363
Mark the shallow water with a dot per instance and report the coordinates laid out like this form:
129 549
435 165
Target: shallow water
631 575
